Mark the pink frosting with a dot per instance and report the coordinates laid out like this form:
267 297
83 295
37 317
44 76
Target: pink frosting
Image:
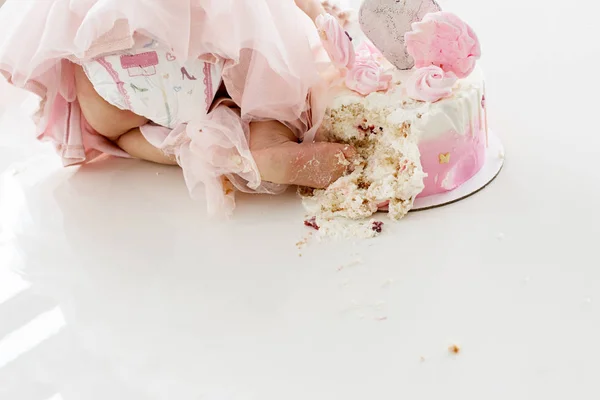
368 49
336 41
443 39
430 84
367 76
465 156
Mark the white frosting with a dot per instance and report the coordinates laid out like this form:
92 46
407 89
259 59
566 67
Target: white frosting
456 112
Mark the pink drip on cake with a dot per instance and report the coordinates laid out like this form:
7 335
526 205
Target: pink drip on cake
452 159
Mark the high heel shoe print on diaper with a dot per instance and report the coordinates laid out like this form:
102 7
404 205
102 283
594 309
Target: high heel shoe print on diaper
143 64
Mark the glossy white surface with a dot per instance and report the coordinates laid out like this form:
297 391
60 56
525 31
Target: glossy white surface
113 285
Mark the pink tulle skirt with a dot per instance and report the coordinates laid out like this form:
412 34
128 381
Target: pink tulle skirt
268 50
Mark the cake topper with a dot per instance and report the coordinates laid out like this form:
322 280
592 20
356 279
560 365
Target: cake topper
386 21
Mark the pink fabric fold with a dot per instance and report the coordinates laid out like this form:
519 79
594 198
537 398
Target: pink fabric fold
269 71
215 156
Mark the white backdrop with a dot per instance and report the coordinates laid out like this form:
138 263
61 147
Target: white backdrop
114 285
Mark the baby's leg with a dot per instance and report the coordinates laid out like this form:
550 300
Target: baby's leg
118 125
134 143
106 119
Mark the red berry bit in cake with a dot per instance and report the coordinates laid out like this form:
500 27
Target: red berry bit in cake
367 128
377 226
312 223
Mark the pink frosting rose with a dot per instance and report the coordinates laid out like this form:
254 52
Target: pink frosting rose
336 41
430 84
367 76
443 39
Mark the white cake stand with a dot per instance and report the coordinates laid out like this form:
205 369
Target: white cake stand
492 167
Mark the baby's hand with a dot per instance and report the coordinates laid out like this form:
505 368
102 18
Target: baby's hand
312 8
335 10
281 159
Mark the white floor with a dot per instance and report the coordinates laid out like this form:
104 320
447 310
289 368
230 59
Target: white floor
114 285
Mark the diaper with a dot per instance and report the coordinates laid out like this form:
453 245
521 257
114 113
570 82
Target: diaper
150 81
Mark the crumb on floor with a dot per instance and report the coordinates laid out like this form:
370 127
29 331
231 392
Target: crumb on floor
300 244
454 349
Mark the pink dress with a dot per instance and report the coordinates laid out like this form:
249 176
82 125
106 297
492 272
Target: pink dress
263 49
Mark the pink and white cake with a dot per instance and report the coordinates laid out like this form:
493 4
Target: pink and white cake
450 133
418 132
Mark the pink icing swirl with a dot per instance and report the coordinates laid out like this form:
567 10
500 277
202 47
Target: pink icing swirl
336 41
443 39
430 84
367 76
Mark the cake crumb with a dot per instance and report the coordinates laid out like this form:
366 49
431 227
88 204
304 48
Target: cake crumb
312 223
382 318
422 359
342 160
454 349
300 244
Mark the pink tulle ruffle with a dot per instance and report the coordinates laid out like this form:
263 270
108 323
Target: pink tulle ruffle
269 71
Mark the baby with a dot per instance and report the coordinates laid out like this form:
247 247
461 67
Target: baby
223 88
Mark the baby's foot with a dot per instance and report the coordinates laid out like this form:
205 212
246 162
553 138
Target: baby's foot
334 9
